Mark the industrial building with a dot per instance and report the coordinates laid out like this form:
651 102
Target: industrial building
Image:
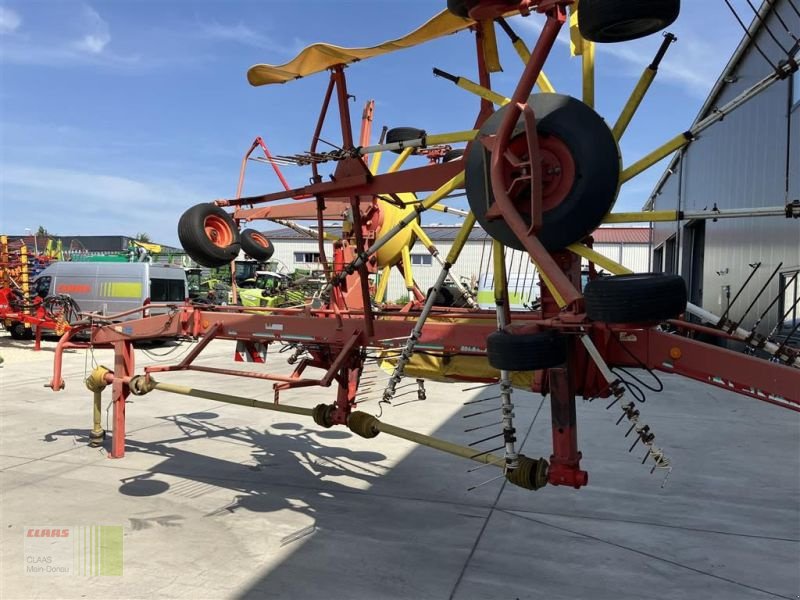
750 159
627 245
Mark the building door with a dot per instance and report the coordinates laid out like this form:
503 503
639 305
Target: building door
694 250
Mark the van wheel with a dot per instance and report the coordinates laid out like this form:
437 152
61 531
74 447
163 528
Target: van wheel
18 331
256 246
209 235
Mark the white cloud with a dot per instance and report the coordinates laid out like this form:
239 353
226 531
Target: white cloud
239 33
99 202
98 37
9 20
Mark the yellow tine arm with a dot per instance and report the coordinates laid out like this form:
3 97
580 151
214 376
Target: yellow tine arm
400 159
522 50
499 266
383 283
648 216
453 137
676 143
641 88
609 265
408 273
587 66
461 239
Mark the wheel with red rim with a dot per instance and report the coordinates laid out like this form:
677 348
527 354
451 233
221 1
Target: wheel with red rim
256 245
580 166
209 235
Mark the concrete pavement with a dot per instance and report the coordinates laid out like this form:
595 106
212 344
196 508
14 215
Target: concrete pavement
220 501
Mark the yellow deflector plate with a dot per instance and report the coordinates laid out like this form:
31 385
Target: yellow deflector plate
319 57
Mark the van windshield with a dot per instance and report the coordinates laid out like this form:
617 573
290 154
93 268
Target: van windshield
167 290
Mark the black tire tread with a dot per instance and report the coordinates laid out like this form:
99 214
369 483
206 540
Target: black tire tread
197 245
252 248
635 298
597 18
525 352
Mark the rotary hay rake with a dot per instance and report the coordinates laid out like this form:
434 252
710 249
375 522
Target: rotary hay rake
541 172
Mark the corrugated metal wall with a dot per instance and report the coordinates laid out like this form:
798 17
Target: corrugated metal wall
747 160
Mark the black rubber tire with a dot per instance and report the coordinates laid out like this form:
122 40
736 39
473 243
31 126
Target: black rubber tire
611 21
18 331
597 167
444 298
526 352
193 237
253 244
635 298
452 155
403 134
461 8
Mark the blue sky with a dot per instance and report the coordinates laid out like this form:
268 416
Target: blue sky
118 115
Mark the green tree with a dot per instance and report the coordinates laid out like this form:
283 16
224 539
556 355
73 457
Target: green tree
42 232
143 237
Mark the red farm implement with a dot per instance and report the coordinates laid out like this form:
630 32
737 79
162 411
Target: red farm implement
541 172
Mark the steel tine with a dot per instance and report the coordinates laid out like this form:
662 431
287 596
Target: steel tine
478 387
480 400
474 456
482 426
488 464
474 487
486 439
482 412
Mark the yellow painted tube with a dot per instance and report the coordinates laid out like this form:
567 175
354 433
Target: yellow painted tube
23 257
587 65
483 92
544 84
423 237
576 41
383 283
408 271
375 162
490 54
499 267
648 216
449 138
609 265
443 191
542 81
450 209
676 143
556 295
400 160
633 102
461 239
522 50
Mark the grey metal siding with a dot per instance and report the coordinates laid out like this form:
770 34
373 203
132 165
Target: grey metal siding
743 162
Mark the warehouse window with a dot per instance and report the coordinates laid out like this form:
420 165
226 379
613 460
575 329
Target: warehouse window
671 256
306 257
421 259
658 259
795 89
790 292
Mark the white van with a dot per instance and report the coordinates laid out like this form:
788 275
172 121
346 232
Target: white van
110 288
